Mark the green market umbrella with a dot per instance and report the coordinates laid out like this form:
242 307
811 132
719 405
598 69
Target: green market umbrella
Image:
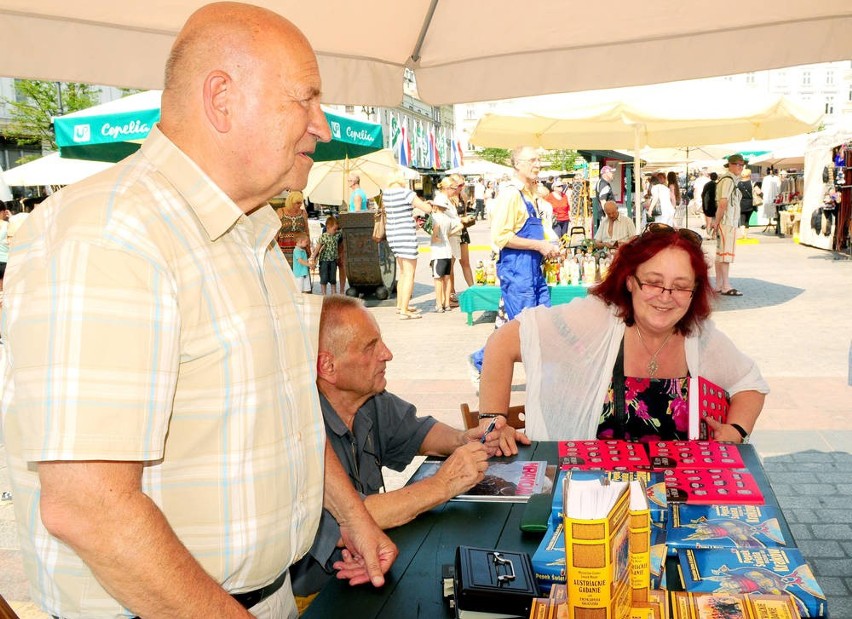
108 132
114 130
350 138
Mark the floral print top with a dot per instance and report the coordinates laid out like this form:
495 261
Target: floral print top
656 409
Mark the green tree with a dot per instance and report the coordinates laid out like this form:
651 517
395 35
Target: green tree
36 105
495 155
560 159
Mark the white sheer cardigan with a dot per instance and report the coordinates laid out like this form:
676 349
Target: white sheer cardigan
569 353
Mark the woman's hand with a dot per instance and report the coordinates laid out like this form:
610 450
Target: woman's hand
502 440
723 432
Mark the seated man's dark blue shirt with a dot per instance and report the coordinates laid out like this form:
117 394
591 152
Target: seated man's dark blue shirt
386 432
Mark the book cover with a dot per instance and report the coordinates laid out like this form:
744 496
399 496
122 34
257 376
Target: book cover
655 486
655 489
559 593
706 399
687 605
509 482
597 558
712 486
661 598
694 455
658 554
723 526
548 560
545 608
603 455
774 571
639 542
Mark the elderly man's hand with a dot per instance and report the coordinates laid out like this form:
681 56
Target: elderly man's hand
463 469
368 553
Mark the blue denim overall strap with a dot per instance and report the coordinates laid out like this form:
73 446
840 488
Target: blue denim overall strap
521 279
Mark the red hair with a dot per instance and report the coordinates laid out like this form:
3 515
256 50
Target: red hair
613 290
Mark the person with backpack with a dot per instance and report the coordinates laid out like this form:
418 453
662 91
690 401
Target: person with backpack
725 223
708 204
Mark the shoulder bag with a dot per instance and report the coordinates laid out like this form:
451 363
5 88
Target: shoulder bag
379 223
655 208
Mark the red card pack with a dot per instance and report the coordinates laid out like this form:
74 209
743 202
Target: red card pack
706 399
612 455
694 455
712 486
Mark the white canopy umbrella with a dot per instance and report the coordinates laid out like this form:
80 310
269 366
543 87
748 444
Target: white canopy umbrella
525 52
481 168
53 170
327 181
667 115
5 193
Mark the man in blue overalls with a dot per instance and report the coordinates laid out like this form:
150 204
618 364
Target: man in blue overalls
516 229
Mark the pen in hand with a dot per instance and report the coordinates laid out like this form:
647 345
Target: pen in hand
489 429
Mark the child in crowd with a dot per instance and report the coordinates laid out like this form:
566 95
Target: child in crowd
442 254
301 268
326 249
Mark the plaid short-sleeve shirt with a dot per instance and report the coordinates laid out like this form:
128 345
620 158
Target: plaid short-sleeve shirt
148 319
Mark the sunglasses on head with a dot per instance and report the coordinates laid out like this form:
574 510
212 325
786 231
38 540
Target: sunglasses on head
660 228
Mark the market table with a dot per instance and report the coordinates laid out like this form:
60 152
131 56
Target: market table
481 298
413 584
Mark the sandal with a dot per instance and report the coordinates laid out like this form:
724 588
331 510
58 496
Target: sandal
409 316
733 292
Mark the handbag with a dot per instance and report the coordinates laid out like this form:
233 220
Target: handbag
656 209
379 223
427 224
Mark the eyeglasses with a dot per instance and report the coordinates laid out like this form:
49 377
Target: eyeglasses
655 290
660 228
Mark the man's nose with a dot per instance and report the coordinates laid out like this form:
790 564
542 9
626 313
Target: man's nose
319 125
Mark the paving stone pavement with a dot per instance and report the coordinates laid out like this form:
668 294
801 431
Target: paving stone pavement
794 320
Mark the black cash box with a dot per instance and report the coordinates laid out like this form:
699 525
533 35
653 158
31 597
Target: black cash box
498 581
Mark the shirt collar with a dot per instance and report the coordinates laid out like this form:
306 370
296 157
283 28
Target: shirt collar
212 206
334 423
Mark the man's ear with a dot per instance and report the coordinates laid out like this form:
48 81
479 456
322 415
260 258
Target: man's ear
326 367
219 100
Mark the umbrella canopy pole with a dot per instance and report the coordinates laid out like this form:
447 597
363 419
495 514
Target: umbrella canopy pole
686 215
345 180
637 180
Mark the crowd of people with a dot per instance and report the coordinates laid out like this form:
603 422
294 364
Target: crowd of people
188 435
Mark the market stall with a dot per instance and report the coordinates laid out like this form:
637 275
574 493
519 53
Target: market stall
825 225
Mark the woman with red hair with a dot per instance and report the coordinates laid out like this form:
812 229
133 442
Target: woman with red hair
617 363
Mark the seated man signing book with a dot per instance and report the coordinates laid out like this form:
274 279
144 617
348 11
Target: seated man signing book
369 428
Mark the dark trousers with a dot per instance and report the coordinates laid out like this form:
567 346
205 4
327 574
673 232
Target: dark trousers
479 210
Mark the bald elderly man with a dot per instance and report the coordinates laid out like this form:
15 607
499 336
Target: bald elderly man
614 229
162 426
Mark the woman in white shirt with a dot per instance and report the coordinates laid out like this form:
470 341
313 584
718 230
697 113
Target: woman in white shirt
661 195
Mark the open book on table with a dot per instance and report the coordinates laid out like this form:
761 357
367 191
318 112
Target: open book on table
505 482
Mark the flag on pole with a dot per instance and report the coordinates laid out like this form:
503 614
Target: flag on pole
455 154
432 156
403 148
